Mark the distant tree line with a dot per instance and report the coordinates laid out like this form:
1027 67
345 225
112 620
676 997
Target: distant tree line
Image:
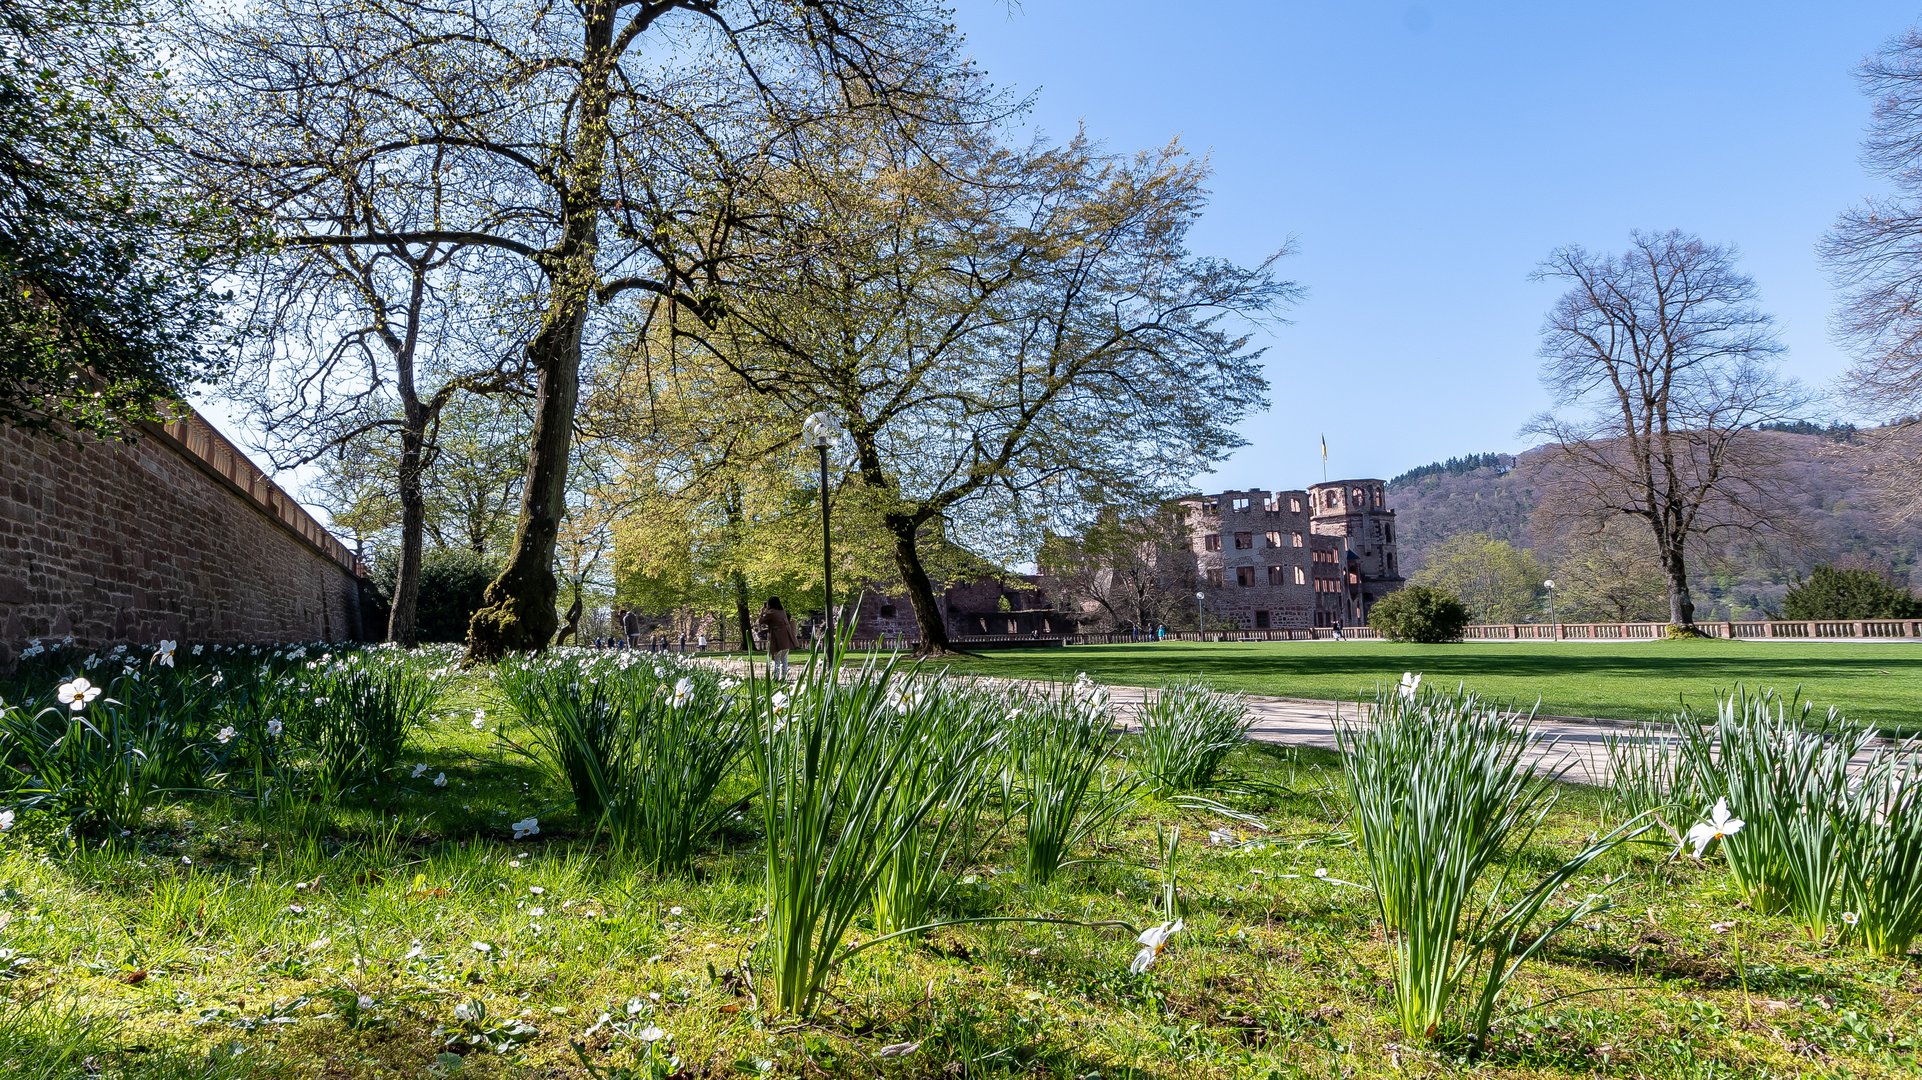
1455 466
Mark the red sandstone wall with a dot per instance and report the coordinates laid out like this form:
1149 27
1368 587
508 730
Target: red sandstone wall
174 535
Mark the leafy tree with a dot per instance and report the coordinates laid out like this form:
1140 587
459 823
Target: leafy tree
1833 593
1419 613
1608 573
1666 366
601 153
106 306
1008 335
1132 569
1497 581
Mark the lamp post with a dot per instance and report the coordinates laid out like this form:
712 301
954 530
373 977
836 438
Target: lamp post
1199 628
823 432
1550 586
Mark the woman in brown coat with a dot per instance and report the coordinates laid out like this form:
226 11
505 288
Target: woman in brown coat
780 635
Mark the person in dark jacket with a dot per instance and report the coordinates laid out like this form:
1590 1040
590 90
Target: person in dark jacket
780 635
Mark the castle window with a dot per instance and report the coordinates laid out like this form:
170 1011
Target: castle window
1212 542
887 611
1301 578
1390 535
1274 539
1244 576
1329 498
1377 496
1297 539
1360 499
1294 506
1214 578
1241 506
1274 575
1261 620
1244 541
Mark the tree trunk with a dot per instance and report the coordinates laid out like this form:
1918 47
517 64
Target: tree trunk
402 628
517 611
1681 606
914 578
740 611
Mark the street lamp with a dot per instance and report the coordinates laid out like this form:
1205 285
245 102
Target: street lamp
1550 586
823 432
1198 627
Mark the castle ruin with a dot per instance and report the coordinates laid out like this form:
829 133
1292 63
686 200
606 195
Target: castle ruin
1291 560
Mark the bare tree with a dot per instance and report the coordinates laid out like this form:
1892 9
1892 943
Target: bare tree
1664 365
1875 255
1131 569
598 148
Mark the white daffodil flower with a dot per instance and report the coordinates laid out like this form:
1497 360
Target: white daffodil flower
6 820
440 779
1849 918
1720 824
652 1034
526 827
683 692
275 727
165 653
76 694
1410 683
1152 941
225 735
420 771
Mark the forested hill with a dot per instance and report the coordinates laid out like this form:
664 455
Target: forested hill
1832 499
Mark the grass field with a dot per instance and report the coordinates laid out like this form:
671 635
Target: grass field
403 934
1879 683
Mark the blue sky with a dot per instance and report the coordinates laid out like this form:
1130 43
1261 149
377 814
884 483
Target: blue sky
1422 158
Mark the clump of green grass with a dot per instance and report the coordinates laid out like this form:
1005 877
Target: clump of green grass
643 746
1441 788
1787 777
831 753
1882 844
1186 732
1060 776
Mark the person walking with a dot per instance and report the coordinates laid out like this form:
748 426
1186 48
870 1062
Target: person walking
780 635
631 627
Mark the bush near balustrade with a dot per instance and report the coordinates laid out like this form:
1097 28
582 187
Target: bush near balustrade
1421 614
1441 788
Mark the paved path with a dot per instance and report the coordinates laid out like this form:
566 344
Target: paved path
1575 744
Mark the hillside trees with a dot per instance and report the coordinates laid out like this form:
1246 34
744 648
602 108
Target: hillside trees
1663 365
1495 580
107 309
1007 334
599 151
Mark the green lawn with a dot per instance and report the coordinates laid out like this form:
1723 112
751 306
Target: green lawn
400 931
1879 683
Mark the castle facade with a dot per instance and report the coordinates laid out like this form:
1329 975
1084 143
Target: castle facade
1290 560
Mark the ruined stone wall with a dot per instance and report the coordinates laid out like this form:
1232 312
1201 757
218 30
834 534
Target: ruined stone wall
1253 551
172 535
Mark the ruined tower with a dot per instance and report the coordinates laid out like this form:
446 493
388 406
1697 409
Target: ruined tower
1355 513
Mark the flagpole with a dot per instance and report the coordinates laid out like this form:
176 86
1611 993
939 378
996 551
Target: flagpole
1324 459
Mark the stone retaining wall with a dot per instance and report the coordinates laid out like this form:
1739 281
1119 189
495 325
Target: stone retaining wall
174 534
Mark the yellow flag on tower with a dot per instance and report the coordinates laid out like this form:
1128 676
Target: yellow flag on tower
1324 449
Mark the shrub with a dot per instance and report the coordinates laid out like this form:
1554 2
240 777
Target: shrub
1830 593
1186 731
1419 613
452 581
1441 786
